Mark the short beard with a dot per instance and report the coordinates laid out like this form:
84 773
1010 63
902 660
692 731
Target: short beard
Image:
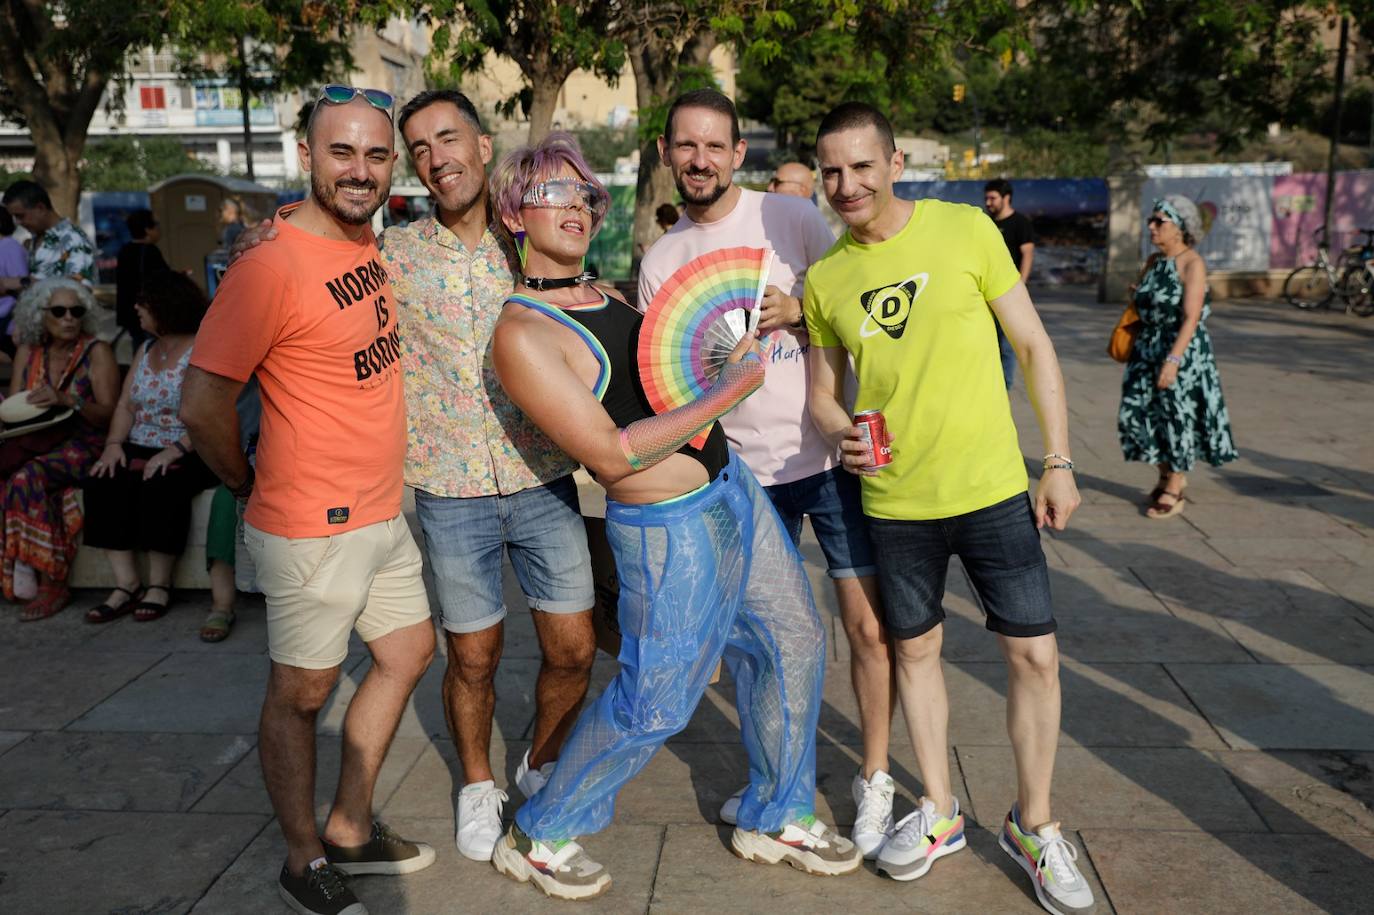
327 197
710 196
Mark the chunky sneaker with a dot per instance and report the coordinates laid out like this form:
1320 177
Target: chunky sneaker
559 869
920 838
729 811
321 890
873 821
528 780
807 844
479 819
384 853
1048 859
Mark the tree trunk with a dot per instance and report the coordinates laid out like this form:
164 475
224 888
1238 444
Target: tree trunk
544 91
244 99
656 63
57 166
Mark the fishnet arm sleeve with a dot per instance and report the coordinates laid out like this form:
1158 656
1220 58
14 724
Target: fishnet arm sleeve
647 441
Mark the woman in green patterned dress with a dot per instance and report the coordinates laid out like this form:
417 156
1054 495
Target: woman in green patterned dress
1172 411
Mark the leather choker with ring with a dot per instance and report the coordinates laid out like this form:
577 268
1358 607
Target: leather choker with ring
544 283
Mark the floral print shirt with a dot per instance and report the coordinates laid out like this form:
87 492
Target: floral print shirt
464 436
63 250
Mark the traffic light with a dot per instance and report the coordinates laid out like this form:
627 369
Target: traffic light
958 92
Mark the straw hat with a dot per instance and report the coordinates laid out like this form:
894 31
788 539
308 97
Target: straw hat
19 416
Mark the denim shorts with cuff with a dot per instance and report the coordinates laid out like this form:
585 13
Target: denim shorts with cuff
833 501
542 530
999 547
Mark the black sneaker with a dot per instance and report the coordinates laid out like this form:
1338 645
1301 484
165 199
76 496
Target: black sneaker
320 890
384 853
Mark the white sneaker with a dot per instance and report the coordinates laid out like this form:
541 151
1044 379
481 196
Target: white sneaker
530 781
1048 859
729 811
479 819
873 821
806 844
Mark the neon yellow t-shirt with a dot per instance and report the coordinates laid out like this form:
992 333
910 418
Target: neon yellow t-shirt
912 312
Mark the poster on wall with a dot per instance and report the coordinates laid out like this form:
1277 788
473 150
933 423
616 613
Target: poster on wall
1235 210
1299 208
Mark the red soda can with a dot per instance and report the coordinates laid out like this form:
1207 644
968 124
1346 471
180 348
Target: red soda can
873 432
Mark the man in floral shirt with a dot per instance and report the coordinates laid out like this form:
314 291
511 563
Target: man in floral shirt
58 247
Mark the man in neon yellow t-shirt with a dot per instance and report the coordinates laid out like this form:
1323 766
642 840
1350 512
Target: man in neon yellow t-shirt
913 292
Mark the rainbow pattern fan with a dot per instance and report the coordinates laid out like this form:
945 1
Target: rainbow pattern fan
694 322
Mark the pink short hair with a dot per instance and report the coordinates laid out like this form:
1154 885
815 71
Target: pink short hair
526 166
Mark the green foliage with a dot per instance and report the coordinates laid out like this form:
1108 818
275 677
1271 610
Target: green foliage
1042 153
8 177
129 164
653 119
603 145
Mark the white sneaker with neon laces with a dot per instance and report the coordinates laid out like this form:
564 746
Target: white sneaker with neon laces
1048 859
873 819
479 819
558 869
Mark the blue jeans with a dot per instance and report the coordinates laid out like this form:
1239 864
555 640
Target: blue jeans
540 527
833 501
999 547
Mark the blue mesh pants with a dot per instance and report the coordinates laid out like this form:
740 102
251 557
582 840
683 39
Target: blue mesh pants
707 575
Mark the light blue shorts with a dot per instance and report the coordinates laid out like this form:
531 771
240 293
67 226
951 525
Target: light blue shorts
540 527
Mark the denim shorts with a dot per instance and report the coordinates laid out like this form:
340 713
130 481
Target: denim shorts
1000 549
833 501
540 527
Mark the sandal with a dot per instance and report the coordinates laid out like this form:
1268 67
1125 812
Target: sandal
105 613
217 626
145 611
50 601
1161 510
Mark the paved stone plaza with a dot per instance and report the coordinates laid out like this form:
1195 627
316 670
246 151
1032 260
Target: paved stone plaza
1218 734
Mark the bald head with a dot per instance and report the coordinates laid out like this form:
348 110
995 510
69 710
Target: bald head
793 178
326 118
348 152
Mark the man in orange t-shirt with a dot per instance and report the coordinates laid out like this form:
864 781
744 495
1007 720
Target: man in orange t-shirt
314 317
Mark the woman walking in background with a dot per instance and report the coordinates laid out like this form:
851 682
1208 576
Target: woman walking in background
1172 411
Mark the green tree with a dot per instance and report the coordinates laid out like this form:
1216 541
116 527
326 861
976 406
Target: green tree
546 39
128 164
56 61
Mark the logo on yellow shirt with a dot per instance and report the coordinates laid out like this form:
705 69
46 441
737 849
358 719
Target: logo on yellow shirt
890 306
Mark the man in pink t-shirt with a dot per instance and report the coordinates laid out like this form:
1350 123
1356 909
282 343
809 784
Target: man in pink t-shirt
772 430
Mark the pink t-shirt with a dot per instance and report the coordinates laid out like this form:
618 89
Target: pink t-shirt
772 430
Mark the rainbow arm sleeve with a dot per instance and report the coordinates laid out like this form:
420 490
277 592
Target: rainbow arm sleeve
648 441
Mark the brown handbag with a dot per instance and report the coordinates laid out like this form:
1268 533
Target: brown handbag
1124 334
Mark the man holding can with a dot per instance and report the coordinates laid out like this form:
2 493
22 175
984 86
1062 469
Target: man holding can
913 292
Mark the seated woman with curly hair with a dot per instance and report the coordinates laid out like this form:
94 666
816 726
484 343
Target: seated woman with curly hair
59 369
139 493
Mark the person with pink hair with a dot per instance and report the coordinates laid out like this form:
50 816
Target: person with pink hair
705 568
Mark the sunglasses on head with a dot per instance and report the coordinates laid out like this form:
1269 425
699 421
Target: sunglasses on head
61 311
567 194
335 94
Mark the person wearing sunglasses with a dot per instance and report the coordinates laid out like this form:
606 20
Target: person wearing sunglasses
1172 410
704 566
70 381
314 316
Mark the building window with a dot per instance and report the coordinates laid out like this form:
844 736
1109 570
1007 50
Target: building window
152 97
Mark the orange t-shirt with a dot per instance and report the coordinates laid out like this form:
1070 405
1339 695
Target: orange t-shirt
316 320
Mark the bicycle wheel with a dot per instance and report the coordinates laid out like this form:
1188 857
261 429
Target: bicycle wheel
1308 287
1357 288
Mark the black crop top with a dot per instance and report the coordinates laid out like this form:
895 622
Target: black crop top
611 332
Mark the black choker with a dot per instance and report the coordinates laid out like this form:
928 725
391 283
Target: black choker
544 283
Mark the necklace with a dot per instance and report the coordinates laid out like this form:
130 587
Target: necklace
544 283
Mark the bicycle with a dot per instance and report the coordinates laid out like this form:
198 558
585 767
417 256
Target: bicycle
1357 285
1316 285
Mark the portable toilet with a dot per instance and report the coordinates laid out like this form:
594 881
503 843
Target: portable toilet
187 207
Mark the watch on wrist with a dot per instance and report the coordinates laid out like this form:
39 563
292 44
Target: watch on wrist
242 491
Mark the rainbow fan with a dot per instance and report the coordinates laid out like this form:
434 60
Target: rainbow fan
695 321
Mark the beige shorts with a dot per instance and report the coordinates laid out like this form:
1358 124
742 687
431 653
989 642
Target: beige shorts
318 589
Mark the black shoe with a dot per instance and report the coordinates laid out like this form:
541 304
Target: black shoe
384 853
322 890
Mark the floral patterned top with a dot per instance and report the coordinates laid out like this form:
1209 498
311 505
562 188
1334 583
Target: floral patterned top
464 436
63 250
156 401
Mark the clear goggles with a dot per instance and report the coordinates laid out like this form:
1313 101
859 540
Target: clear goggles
568 194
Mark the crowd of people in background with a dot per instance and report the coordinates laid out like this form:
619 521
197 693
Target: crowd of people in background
469 356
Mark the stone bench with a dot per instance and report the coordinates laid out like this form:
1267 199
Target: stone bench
92 570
